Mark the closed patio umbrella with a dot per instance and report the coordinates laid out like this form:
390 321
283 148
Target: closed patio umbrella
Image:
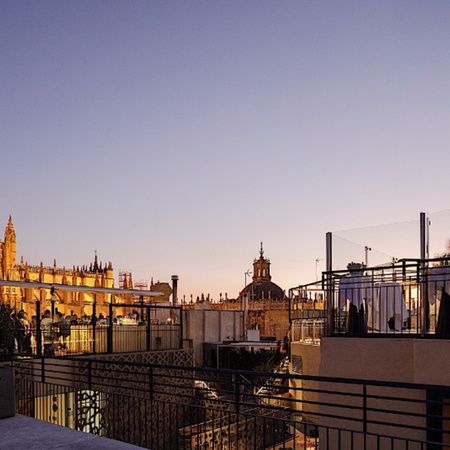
443 323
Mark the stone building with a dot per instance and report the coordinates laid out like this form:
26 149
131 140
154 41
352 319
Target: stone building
164 288
95 274
266 302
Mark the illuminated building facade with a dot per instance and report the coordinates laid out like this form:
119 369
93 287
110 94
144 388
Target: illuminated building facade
95 274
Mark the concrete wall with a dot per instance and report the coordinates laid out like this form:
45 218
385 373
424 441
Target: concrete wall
406 360
386 359
300 396
208 325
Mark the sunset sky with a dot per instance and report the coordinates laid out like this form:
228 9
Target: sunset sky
172 137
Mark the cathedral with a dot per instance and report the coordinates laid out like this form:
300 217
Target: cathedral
95 274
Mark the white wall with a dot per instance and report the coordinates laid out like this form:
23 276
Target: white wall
209 325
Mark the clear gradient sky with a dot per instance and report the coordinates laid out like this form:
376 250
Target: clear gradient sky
174 136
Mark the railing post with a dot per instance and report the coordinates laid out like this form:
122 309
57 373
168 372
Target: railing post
237 402
110 328
148 328
328 286
365 415
42 370
94 324
52 301
90 375
38 329
150 382
423 273
181 328
237 396
150 315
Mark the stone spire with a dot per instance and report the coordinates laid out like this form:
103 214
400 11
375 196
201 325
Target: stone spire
64 275
9 225
95 262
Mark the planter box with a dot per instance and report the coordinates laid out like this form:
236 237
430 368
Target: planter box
7 392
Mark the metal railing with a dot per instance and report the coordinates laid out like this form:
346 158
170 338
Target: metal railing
308 331
136 329
406 298
171 407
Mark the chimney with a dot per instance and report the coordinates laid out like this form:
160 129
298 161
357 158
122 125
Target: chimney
174 290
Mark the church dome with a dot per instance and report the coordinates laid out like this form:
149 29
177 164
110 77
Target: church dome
262 288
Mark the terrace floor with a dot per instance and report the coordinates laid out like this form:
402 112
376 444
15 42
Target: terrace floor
20 432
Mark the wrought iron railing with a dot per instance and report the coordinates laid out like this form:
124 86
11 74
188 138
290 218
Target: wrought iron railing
171 407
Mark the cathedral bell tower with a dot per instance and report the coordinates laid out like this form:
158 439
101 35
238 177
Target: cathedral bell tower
9 251
261 268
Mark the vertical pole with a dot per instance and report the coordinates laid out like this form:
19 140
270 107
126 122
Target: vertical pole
38 329
148 327
150 381
328 286
174 290
94 323
423 272
141 302
52 302
245 315
290 330
150 321
290 294
181 328
423 243
237 399
43 370
110 326
365 415
89 374
237 396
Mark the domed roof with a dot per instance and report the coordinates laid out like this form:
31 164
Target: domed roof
263 290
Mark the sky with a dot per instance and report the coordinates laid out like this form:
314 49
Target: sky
172 136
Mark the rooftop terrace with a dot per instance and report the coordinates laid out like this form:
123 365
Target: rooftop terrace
21 432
